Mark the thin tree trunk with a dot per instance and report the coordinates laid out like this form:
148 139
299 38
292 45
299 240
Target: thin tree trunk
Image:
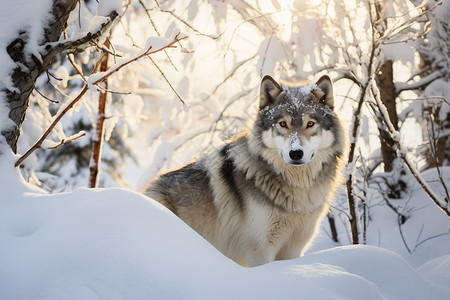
97 140
385 81
334 234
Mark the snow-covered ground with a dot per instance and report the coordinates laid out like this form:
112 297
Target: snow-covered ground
118 244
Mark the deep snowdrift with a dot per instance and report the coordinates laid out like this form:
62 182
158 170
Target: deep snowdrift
117 244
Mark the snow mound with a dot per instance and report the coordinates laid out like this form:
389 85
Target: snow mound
118 244
437 270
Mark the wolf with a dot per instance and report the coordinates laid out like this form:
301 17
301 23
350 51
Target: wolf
262 196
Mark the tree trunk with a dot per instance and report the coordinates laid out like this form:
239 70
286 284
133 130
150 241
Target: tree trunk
97 140
385 81
29 68
334 234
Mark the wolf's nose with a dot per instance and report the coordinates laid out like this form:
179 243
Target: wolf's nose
296 154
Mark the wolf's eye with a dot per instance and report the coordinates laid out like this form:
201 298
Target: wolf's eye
283 124
310 124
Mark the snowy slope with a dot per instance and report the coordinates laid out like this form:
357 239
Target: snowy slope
117 244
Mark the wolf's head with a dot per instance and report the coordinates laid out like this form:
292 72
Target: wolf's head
298 121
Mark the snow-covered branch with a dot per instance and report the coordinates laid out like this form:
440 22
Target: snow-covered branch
423 82
94 80
73 45
443 204
52 145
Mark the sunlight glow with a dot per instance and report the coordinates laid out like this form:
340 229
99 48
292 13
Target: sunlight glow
315 2
282 16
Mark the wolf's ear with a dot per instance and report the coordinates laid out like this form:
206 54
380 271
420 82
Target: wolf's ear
324 91
268 92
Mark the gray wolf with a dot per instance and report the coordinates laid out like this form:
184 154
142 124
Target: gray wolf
262 196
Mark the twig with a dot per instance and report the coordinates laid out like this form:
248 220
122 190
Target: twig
105 90
429 238
236 68
157 32
149 51
45 97
399 222
190 26
167 80
106 50
79 13
114 54
68 140
45 68
75 66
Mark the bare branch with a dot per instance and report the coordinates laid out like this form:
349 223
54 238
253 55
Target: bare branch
49 74
229 76
45 97
93 80
76 67
167 80
157 31
105 90
189 25
104 75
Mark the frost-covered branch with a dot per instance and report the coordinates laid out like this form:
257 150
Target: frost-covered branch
443 204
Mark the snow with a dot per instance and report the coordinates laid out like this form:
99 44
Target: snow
106 7
118 244
437 270
31 20
294 142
